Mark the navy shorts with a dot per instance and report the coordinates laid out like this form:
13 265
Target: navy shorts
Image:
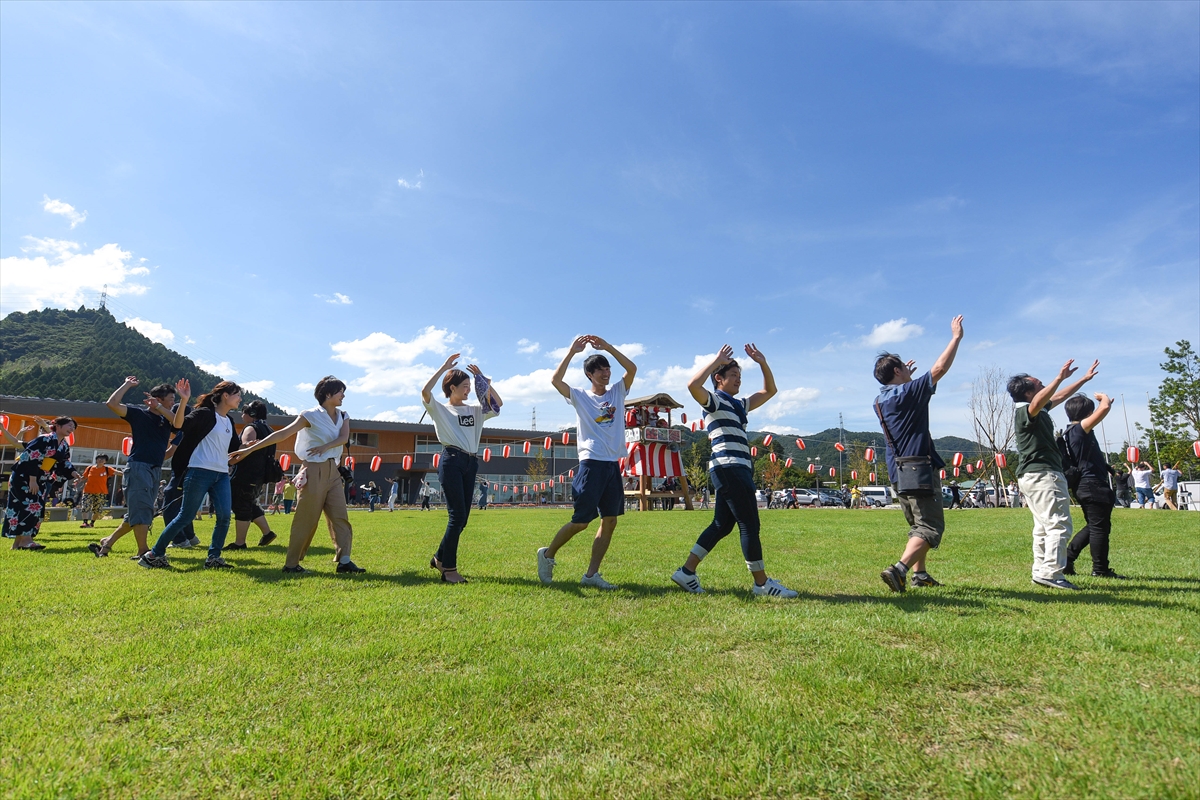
599 491
141 490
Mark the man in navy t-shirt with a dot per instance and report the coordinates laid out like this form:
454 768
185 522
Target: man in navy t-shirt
903 411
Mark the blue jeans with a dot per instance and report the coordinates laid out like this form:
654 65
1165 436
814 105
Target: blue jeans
197 484
735 503
457 474
1145 495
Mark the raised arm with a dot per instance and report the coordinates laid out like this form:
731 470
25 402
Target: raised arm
696 387
274 438
14 438
183 390
1044 397
942 365
491 392
427 389
1059 397
557 380
629 366
114 400
768 391
1104 406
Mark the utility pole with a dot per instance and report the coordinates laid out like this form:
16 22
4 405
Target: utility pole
1153 438
104 297
533 424
841 438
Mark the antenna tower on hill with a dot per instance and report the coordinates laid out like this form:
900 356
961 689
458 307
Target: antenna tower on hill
104 297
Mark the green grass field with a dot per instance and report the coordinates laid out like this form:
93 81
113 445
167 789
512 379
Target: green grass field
125 682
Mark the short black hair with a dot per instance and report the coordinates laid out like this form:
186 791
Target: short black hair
721 370
594 362
1019 386
162 390
327 387
100 456
453 378
256 410
1079 407
886 365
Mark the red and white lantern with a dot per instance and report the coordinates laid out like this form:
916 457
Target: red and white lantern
570 473
1133 455
548 443
1001 460
767 440
787 463
841 448
970 469
869 454
566 437
956 472
127 445
800 443
957 460
833 472
437 460
1195 445
853 474
71 439
942 474
871 477
812 469
683 418
507 451
285 461
772 458
487 456
406 462
496 487
349 462
4 421
376 463
754 452
979 464
525 448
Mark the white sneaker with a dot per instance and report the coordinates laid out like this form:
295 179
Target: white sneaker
689 583
773 588
186 544
545 566
598 581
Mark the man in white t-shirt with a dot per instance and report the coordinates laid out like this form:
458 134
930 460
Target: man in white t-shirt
597 486
1142 473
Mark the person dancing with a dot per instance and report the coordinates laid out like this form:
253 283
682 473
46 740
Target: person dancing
1093 492
459 427
321 433
731 470
39 461
208 437
247 479
597 486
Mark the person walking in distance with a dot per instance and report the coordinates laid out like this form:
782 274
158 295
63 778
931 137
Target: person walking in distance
289 494
95 490
483 495
425 492
248 477
1040 470
393 493
1092 471
459 427
321 433
730 470
597 486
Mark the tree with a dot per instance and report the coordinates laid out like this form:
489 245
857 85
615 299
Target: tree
992 418
695 463
1175 411
536 470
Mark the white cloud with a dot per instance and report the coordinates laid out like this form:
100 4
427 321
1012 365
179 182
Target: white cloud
338 299
63 210
401 414
630 350
415 184
892 331
306 387
223 370
535 387
389 363
151 330
59 275
787 402
984 345
258 387
526 346
703 304
190 340
782 430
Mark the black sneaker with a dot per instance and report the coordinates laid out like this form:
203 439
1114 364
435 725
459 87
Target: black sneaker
928 580
234 546
267 538
351 567
151 561
296 570
1069 569
216 562
893 578
97 549
1108 573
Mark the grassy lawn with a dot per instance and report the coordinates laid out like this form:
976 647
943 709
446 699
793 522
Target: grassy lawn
125 682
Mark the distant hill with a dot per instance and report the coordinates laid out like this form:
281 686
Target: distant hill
821 445
85 354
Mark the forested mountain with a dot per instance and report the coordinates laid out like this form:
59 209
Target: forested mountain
84 354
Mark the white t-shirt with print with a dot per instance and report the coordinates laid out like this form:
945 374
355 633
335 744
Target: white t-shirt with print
601 420
213 451
458 426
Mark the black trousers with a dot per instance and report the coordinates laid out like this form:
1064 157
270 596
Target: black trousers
457 474
173 502
1097 501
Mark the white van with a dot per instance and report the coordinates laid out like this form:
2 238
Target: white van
878 495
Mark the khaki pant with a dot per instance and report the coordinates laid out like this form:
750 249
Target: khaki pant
323 492
1046 496
1169 498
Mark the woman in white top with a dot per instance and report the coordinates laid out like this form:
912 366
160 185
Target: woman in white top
320 434
459 428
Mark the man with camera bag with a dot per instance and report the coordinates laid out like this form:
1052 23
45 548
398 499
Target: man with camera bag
903 410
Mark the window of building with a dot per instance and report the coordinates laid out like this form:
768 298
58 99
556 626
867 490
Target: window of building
364 439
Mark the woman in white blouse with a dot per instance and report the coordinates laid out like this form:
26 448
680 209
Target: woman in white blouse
320 434
459 427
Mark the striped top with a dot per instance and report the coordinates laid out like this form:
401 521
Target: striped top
725 420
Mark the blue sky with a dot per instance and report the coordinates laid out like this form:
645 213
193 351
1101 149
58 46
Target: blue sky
286 191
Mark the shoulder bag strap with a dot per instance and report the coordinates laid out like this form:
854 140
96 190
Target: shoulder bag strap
886 433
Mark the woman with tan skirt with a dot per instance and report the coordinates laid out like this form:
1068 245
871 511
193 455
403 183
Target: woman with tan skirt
321 433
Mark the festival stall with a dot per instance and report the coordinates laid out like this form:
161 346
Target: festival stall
652 448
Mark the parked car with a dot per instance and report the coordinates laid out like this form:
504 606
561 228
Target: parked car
878 495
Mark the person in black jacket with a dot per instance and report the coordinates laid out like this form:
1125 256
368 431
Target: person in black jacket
1093 492
247 479
208 438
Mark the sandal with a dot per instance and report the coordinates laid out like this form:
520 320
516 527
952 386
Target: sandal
98 550
30 546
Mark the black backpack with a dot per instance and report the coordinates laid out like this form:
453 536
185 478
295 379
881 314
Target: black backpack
1071 470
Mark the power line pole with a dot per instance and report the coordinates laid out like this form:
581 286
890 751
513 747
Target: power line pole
104 297
533 423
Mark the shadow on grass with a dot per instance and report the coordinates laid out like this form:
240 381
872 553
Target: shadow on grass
576 589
